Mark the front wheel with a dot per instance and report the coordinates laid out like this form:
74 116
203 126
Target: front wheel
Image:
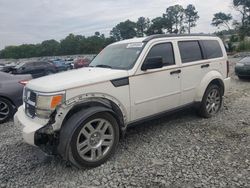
211 102
94 140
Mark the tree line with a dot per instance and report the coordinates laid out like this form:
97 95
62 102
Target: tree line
71 45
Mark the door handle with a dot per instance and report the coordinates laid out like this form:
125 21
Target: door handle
205 66
175 72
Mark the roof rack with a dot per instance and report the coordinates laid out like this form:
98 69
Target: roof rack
175 35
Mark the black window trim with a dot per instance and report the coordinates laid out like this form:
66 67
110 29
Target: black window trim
172 46
201 49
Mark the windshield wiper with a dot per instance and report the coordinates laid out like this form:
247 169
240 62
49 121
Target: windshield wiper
104 66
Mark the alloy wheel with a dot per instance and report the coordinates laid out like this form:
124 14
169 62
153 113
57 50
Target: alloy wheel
95 139
213 102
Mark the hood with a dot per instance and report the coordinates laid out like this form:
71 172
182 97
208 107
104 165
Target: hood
245 61
75 78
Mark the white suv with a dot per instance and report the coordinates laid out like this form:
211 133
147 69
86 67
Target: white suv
81 114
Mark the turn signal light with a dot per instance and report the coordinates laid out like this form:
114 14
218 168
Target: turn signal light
56 100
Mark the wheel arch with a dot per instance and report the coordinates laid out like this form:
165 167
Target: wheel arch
213 77
78 103
115 110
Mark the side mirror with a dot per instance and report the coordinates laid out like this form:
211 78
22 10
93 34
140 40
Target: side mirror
152 63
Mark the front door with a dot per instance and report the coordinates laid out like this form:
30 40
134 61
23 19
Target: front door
156 90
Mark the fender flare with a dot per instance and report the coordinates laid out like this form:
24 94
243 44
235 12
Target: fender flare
84 100
207 79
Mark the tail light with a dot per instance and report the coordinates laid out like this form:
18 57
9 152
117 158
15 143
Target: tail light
227 69
23 82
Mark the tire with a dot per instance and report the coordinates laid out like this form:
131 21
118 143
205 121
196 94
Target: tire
6 110
211 102
93 141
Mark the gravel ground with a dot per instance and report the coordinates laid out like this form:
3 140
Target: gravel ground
180 150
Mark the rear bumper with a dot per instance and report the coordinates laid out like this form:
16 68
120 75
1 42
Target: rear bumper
27 125
227 83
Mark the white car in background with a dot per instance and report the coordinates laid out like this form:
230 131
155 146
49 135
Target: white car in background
81 114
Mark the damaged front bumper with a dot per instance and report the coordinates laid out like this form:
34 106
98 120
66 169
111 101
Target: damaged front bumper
37 132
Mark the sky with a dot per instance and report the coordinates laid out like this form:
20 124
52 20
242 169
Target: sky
33 21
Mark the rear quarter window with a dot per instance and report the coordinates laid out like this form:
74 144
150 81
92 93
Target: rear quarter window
190 51
212 49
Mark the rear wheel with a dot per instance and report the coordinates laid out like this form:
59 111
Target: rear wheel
6 110
211 102
94 140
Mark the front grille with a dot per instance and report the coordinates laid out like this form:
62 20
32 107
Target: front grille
30 103
30 110
32 96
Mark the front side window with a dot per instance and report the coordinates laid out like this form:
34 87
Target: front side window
190 51
165 51
212 49
118 56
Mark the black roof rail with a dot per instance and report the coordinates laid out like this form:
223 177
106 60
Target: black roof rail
151 37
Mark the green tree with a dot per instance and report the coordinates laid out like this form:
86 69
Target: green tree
243 6
191 17
156 27
174 19
71 44
97 33
142 25
222 19
124 30
49 48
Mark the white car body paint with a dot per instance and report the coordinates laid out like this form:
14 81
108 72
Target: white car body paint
148 92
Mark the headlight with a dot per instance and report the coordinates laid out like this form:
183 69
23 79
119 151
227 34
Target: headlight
49 102
46 104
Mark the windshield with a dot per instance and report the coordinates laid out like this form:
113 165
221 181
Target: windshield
118 56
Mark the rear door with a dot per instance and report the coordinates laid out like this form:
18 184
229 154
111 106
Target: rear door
193 68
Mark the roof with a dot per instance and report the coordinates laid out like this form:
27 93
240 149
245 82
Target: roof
174 35
151 37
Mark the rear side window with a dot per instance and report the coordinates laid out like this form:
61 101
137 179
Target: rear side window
164 50
212 49
190 51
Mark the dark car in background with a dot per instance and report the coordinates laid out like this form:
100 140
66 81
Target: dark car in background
82 62
36 69
61 65
11 91
242 68
7 67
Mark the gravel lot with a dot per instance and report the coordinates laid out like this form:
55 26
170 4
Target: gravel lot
180 150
